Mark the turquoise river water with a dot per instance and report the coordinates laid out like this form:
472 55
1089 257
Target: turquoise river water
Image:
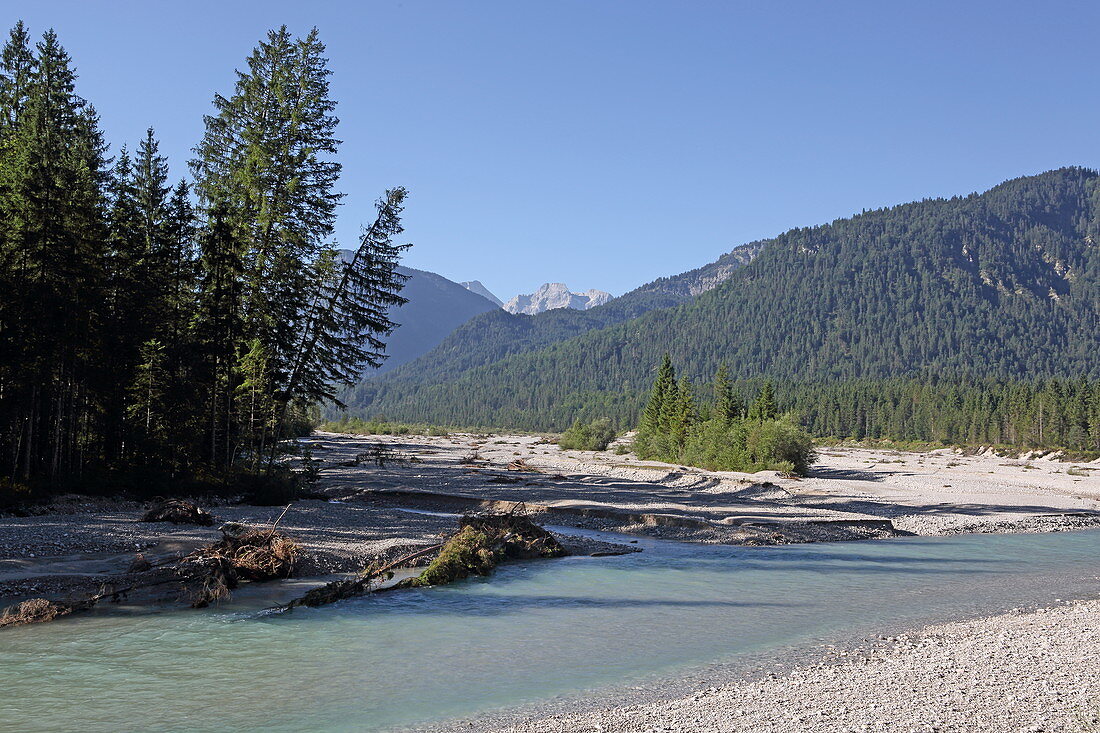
529 633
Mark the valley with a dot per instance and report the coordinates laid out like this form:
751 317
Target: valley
833 465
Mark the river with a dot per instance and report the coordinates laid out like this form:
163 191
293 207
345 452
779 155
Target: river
531 632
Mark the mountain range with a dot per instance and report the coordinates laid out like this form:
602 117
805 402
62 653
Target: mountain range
497 334
551 296
436 307
1000 284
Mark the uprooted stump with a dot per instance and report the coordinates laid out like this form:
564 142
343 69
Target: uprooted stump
178 512
248 553
243 553
483 541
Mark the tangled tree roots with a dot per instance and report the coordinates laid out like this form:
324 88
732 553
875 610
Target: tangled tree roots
178 512
251 554
33 611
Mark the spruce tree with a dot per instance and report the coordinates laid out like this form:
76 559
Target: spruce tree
17 69
216 331
727 406
763 408
351 311
651 416
684 413
267 156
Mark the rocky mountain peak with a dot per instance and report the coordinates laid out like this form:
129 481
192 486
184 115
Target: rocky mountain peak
475 286
555 295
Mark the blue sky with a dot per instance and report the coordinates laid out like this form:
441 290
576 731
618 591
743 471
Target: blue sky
604 144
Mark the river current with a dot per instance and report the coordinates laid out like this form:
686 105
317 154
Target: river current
531 632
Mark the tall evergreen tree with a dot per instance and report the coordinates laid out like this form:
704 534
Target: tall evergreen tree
666 378
267 154
684 412
17 69
217 330
727 405
351 311
52 250
763 408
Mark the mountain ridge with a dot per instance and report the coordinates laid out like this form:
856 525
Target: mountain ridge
497 334
436 306
475 286
1002 283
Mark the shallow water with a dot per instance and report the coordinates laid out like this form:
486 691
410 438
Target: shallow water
530 632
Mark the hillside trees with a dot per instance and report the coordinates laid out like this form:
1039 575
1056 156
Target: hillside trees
1002 285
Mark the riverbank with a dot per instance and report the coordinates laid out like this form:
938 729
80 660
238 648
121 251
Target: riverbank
1021 671
367 511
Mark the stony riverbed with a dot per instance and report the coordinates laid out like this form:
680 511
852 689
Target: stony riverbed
1023 671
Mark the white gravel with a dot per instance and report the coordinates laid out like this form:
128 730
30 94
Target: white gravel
1034 671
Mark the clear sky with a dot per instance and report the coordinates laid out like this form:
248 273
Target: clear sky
603 144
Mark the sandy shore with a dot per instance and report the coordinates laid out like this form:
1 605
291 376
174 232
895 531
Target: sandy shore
1033 671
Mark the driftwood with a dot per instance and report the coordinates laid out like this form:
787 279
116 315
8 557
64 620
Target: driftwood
338 590
243 553
250 553
38 610
482 541
178 511
379 454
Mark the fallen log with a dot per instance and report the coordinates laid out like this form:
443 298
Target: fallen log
482 541
338 590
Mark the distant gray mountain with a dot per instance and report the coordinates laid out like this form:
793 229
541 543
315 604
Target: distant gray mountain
555 295
436 307
498 334
475 286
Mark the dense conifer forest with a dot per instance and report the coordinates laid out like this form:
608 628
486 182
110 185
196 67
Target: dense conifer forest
176 331
914 322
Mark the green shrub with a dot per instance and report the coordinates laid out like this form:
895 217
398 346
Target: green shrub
777 443
742 445
596 435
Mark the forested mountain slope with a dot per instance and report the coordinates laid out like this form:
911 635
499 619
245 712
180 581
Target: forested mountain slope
436 306
497 334
999 284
